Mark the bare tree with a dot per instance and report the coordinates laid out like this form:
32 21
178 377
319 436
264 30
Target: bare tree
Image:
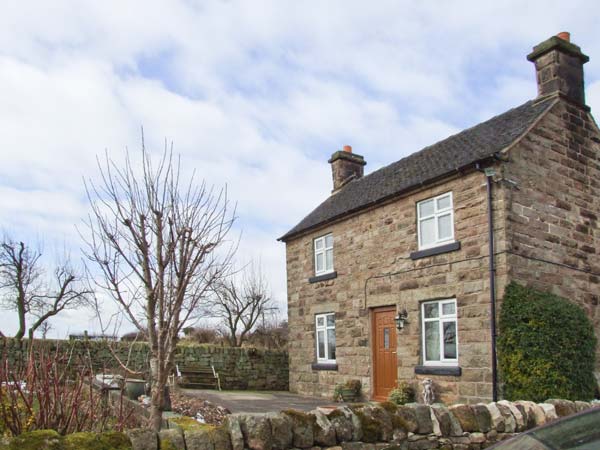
160 245
35 296
241 303
45 329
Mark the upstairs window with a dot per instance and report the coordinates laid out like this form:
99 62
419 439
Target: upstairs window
323 254
438 327
435 221
325 331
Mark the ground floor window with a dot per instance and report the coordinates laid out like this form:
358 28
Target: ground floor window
439 325
325 333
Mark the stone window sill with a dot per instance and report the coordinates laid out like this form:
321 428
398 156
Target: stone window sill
324 366
455 371
451 247
324 277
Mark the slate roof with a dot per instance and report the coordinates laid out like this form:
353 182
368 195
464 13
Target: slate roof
443 158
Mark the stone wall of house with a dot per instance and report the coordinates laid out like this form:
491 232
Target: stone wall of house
358 427
554 207
377 242
546 208
238 368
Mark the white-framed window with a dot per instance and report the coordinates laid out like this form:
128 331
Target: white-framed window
324 254
439 332
325 333
435 221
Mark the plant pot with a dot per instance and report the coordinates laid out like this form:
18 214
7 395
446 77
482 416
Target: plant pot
349 395
134 388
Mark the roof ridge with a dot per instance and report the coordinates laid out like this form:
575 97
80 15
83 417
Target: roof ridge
466 130
432 162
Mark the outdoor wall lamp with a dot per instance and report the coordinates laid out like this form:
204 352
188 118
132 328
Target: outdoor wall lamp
401 319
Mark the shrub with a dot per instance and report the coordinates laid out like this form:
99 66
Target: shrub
270 336
402 394
202 335
354 385
546 347
54 391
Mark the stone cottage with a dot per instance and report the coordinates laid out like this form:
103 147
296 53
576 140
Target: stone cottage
390 278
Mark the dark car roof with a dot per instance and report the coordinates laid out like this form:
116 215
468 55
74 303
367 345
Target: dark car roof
445 157
576 432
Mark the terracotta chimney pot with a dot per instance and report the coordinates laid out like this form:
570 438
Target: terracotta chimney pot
348 148
565 36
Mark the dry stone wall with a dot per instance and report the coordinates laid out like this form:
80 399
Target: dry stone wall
238 368
355 427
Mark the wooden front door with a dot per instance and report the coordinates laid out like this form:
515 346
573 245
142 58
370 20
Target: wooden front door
385 360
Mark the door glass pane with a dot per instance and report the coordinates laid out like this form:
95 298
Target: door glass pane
448 309
329 241
321 344
386 338
443 203
426 208
329 259
431 310
330 320
432 341
319 243
450 340
331 343
427 231
445 227
319 262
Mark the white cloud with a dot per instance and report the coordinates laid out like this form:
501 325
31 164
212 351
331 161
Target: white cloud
255 95
593 97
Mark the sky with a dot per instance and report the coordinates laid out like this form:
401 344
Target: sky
255 95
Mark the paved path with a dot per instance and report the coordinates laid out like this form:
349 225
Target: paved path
259 401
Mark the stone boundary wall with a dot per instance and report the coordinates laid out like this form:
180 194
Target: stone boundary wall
382 426
238 368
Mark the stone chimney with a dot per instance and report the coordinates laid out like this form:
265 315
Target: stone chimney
559 68
345 167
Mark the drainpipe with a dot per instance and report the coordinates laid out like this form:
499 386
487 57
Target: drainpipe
489 174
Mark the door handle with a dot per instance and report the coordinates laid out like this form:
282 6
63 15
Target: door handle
394 353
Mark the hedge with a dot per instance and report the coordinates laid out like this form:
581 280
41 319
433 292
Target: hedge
546 347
